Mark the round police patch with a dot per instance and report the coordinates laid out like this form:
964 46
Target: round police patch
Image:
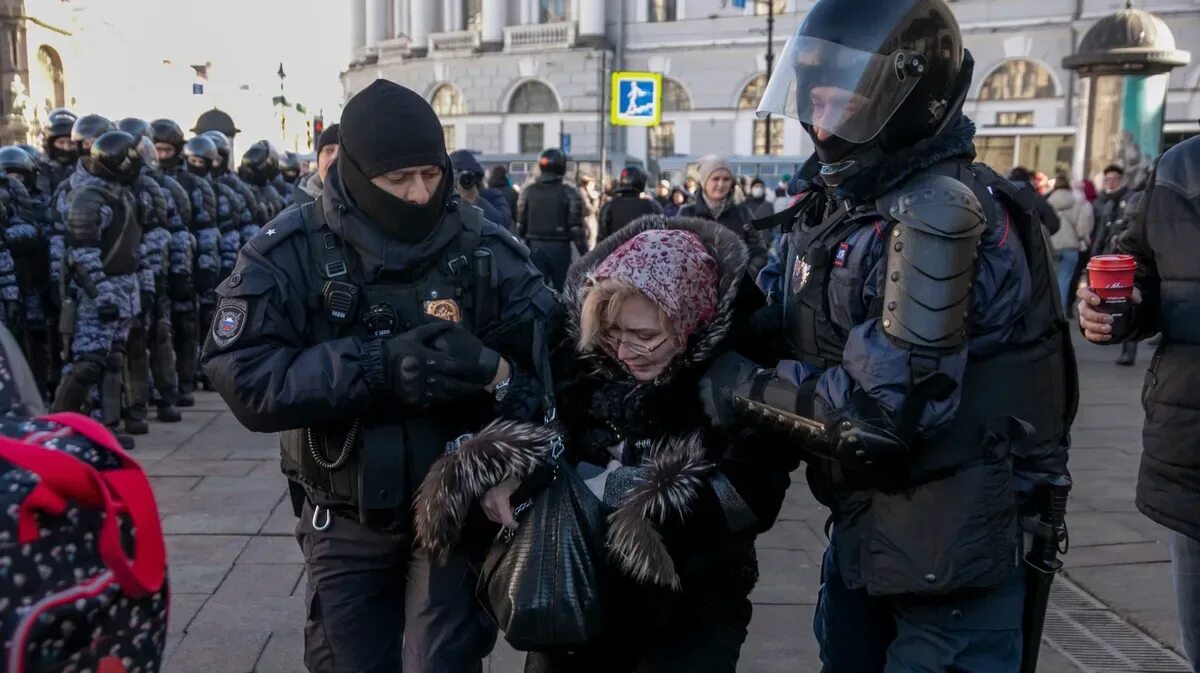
228 322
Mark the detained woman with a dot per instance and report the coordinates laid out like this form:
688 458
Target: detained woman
646 315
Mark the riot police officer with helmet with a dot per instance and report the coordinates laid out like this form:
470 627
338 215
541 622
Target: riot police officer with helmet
930 370
627 204
196 278
61 152
550 218
100 296
417 317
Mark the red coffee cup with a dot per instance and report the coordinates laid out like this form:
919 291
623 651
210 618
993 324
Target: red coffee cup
1111 276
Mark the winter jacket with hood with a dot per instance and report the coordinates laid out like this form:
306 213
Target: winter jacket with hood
1075 218
670 539
1164 240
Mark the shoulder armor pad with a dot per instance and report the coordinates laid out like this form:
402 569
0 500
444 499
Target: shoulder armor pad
931 251
183 204
83 214
277 230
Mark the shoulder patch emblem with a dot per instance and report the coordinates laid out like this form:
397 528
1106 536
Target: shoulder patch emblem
444 309
229 322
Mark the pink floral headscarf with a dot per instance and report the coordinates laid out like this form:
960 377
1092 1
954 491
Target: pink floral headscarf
673 269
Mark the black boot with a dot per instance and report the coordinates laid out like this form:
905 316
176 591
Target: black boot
126 441
167 413
185 400
1128 354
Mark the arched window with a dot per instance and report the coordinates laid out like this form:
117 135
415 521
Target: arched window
768 133
49 76
532 98
752 93
447 101
675 97
1019 79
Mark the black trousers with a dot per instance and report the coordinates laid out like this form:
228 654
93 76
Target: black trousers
552 258
377 606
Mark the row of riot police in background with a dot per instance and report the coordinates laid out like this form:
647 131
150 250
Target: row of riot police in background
115 236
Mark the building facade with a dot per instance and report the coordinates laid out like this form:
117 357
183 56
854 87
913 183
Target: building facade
514 76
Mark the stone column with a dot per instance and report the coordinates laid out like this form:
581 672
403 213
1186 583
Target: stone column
376 22
495 17
400 14
420 25
358 24
591 24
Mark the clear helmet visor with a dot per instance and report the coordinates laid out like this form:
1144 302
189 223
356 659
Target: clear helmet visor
844 91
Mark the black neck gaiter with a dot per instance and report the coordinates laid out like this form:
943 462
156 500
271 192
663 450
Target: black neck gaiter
402 220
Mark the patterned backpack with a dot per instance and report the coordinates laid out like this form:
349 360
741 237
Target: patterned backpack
82 559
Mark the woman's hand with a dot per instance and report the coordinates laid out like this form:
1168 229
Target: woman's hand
496 503
1096 325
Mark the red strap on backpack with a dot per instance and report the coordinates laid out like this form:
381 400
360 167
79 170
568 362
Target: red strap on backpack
124 490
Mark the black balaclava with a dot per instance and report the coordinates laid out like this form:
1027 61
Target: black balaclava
386 127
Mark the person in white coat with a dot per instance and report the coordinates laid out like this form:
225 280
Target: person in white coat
1076 218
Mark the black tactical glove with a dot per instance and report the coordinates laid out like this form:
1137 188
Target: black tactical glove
420 375
458 343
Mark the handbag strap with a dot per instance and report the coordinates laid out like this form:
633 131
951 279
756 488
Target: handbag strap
122 490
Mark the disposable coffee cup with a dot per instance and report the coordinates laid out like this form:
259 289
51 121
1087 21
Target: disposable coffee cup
1111 278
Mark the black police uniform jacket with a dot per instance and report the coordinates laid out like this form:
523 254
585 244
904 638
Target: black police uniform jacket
713 485
1164 239
281 365
949 520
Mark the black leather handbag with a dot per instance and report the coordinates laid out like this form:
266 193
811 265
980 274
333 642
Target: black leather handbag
543 583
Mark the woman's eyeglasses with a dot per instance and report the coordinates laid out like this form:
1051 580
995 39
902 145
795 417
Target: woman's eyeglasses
636 348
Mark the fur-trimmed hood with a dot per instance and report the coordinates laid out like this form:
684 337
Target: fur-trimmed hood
726 248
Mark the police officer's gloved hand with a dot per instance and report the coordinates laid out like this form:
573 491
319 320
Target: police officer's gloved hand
418 374
463 346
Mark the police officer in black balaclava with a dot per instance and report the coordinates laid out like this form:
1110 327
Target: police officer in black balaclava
414 315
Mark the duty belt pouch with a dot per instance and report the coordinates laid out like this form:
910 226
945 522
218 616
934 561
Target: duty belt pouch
386 452
956 532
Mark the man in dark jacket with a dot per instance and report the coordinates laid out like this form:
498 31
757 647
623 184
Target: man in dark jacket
627 204
1113 214
309 187
1021 177
920 320
550 218
402 353
1164 238
498 179
468 184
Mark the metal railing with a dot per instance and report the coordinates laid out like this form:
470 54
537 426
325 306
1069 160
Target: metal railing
539 36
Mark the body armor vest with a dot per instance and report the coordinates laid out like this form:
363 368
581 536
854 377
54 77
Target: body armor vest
547 211
371 466
1033 380
623 209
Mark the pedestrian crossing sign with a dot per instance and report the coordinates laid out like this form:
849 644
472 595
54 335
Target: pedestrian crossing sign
636 99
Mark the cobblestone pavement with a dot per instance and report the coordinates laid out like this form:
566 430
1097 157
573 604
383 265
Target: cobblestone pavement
237 576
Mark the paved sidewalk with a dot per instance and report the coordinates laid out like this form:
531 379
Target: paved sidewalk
237 576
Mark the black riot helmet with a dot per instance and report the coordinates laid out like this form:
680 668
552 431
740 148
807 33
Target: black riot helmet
864 73
33 152
114 156
58 125
259 164
138 128
168 132
289 166
553 161
204 150
221 141
88 128
631 178
17 161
